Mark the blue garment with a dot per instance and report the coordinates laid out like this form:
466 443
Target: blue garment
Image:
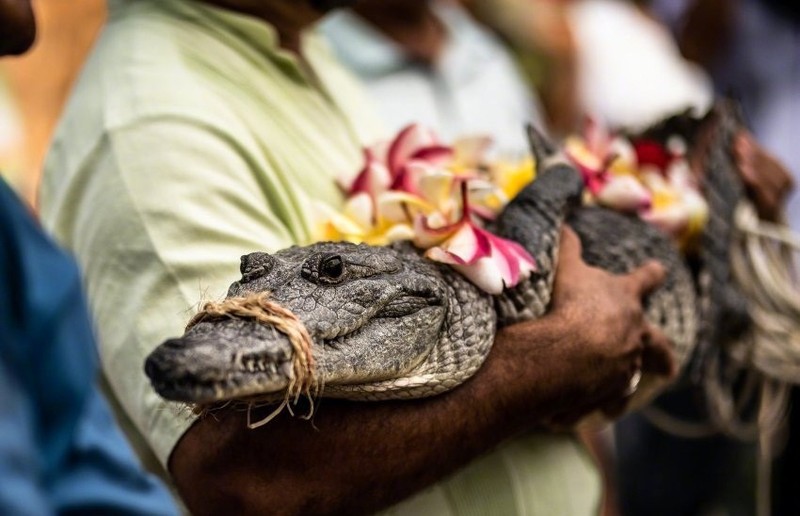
60 450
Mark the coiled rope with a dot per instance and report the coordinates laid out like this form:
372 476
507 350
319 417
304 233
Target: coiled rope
760 368
258 307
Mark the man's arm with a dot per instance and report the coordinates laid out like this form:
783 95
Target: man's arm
359 457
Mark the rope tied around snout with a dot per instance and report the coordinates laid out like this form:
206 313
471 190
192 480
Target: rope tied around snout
259 308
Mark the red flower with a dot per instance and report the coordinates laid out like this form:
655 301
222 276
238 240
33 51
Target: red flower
650 152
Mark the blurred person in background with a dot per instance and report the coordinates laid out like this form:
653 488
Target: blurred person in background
429 62
60 449
201 131
541 39
601 58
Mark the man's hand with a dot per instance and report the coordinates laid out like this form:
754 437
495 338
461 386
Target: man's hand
607 339
766 179
607 310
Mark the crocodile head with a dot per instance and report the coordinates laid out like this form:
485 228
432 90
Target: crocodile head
372 313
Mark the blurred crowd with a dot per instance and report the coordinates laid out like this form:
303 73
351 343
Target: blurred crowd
158 140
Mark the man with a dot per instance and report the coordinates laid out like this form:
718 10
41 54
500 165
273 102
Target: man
201 131
60 451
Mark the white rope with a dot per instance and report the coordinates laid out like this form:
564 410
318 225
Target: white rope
676 426
764 266
760 368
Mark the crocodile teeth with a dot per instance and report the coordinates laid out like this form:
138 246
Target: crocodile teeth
258 365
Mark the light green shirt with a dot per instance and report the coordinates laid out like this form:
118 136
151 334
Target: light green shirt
192 139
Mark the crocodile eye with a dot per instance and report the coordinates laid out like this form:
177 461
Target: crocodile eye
332 267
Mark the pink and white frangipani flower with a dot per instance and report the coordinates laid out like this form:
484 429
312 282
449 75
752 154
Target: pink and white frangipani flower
625 193
386 166
678 207
401 207
408 142
599 154
414 145
470 152
373 178
672 219
362 221
593 169
412 175
485 198
490 262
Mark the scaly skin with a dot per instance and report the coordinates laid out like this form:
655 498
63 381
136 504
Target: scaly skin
387 323
413 307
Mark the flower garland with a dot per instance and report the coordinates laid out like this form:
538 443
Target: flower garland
440 197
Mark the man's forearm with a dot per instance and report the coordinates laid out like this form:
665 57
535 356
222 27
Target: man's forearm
361 456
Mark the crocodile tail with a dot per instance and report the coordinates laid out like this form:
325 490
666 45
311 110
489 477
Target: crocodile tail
725 314
534 219
541 147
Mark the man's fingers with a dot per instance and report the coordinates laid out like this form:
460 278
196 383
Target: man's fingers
743 149
570 247
570 239
766 179
657 355
647 277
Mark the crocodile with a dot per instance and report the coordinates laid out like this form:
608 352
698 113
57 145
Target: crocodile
386 323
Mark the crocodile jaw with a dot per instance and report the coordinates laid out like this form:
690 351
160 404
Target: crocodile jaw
223 360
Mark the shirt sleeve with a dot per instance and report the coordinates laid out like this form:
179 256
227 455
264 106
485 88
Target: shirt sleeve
159 215
102 475
20 464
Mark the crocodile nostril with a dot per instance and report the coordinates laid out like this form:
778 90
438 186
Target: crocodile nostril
152 368
254 265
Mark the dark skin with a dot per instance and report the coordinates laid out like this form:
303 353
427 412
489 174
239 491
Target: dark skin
360 457
17 27
767 181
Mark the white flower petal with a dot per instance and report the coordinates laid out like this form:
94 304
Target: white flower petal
673 219
399 232
361 209
484 274
624 193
